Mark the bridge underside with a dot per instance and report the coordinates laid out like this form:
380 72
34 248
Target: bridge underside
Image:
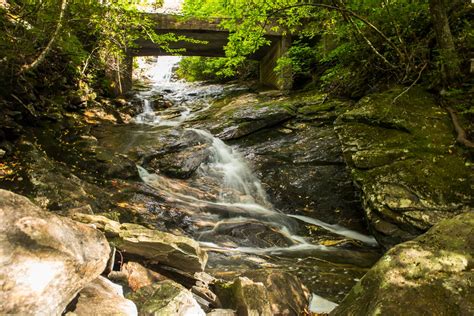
214 46
216 40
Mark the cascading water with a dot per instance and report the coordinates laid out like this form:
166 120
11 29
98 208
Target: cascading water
224 200
240 193
239 185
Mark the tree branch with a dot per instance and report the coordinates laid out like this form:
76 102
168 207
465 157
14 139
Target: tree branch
352 13
46 50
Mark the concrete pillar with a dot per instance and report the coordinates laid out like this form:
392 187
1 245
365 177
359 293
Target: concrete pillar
282 79
126 73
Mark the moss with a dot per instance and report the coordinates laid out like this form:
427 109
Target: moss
402 156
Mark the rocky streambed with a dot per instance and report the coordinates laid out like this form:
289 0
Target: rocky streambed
320 176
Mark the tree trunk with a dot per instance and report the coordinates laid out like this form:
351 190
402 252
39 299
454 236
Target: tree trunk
447 51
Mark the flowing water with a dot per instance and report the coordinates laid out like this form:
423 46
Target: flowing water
230 212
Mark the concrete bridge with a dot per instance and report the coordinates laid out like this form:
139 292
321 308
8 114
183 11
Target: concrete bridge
216 38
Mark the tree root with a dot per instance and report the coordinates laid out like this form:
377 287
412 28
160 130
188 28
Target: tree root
461 133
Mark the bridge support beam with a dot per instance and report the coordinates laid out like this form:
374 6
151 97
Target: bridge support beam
281 79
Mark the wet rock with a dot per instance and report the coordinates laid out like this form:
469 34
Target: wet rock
175 251
182 158
304 172
102 297
402 160
180 164
244 296
431 275
45 259
165 298
244 119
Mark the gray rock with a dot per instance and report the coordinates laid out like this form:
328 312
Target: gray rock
45 259
175 251
166 298
431 275
102 297
401 158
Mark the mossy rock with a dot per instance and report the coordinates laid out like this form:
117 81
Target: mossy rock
431 275
165 298
403 158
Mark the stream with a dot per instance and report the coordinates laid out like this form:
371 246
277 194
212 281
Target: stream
221 202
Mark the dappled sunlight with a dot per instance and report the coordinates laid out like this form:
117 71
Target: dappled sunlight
413 265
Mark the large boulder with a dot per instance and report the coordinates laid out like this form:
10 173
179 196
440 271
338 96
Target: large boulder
102 297
171 250
45 259
166 298
403 158
431 275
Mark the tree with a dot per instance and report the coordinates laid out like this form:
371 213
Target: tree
447 51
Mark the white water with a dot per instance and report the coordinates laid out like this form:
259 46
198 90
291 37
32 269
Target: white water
338 229
239 185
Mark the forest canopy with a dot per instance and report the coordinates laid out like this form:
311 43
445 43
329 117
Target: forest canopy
352 45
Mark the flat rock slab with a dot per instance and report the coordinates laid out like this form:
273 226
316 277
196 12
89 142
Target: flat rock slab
102 297
431 275
45 259
175 251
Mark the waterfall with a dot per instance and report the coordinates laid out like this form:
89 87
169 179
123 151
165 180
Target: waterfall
239 185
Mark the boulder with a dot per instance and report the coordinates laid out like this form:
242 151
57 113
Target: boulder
402 156
166 298
244 296
45 259
175 251
102 297
286 293
430 275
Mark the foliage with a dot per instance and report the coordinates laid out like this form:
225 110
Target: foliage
91 44
214 69
350 45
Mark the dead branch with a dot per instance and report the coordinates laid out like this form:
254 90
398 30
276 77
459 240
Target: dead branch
413 83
